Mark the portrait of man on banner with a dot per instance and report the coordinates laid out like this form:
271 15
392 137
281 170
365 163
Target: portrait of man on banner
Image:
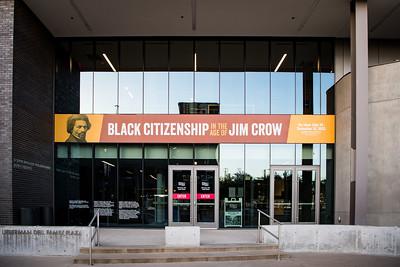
77 127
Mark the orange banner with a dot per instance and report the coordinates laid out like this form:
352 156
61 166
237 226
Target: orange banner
301 129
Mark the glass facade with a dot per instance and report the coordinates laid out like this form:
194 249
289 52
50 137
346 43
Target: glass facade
129 182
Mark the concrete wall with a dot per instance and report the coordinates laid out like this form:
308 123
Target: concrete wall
6 86
43 241
336 238
384 147
379 52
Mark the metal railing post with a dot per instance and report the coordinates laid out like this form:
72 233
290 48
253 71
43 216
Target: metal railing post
258 227
279 242
272 220
90 245
98 229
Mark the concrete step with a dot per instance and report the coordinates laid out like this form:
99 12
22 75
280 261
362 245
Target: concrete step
160 249
167 257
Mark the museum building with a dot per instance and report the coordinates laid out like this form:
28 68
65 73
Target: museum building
187 128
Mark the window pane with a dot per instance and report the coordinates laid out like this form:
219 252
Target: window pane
327 81
155 152
257 92
82 55
207 55
130 192
308 154
86 93
257 56
181 152
232 93
180 90
105 92
156 55
131 56
256 181
81 151
107 50
206 154
130 151
155 194
105 190
231 178
130 92
282 154
156 92
62 151
282 93
316 93
207 87
104 151
232 56
181 56
283 78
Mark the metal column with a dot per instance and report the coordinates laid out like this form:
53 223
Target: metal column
359 111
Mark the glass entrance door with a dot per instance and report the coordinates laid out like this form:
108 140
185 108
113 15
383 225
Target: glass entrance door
193 196
294 194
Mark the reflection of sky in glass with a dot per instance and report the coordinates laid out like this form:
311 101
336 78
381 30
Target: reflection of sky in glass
257 160
180 89
207 87
156 92
282 154
86 92
299 93
232 159
327 81
232 92
316 93
257 92
130 92
282 93
105 92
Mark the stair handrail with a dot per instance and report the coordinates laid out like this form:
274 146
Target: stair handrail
278 237
95 234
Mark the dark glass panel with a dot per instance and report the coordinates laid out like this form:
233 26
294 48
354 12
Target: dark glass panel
131 58
82 55
205 195
232 56
130 201
73 196
257 56
327 188
181 56
256 182
107 49
207 55
278 51
155 192
283 195
206 154
306 195
307 65
156 55
181 196
231 178
326 57
105 190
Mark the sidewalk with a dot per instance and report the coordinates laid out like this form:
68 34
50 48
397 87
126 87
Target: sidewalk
295 260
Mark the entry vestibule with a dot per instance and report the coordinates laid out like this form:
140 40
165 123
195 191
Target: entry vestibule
193 196
294 196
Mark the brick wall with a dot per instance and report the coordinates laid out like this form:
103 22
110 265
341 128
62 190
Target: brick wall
32 131
6 84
